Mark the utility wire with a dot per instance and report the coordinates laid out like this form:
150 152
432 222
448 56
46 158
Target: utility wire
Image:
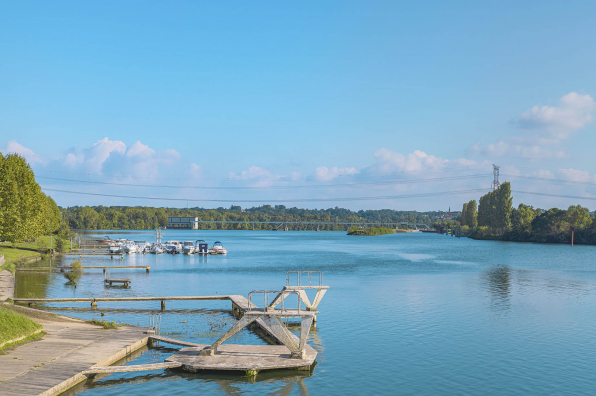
553 195
433 194
437 179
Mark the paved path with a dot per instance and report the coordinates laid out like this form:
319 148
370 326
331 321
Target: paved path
6 285
71 346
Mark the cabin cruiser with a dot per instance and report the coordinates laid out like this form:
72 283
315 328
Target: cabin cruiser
201 247
188 248
114 249
130 248
143 247
157 249
218 248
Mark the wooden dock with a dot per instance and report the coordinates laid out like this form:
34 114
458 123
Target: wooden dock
127 369
250 358
147 268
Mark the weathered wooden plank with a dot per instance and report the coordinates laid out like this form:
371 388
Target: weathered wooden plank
138 367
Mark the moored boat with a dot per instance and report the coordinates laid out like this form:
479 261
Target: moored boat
201 247
188 248
157 249
218 248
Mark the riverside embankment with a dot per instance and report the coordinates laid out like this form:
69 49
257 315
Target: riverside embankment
70 346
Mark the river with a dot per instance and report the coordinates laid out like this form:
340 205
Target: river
408 314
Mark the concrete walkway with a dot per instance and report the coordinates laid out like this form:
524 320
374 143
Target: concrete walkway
55 363
6 285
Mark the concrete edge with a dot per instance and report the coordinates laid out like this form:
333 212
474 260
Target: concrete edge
20 338
80 377
33 313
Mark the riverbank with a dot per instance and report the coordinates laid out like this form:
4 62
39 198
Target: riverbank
16 328
23 253
55 363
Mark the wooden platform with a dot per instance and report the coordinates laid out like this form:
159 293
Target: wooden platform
230 357
124 281
127 369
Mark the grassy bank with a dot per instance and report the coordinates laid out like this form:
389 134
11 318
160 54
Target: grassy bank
22 251
371 231
14 325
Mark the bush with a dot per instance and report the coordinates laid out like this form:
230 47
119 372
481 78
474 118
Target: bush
73 273
104 324
60 245
42 246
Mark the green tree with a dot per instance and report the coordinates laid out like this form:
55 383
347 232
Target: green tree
463 219
522 217
471 214
578 217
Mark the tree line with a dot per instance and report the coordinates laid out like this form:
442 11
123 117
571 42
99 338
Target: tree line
25 211
496 218
144 217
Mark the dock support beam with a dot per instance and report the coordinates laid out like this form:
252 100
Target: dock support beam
163 305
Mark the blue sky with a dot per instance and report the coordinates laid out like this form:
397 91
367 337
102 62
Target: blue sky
274 94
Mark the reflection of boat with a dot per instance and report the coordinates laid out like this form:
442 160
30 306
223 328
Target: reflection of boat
156 249
218 248
188 248
201 247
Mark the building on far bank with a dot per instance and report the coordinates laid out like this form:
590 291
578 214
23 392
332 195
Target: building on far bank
183 222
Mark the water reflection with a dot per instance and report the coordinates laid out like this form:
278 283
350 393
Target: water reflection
498 283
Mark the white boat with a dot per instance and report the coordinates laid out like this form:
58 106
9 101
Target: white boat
143 247
156 249
218 248
114 249
130 248
188 248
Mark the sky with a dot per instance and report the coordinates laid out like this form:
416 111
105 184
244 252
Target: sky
356 104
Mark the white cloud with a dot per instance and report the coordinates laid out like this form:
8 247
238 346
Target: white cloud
576 175
138 149
503 148
100 151
323 173
17 148
573 112
261 177
388 162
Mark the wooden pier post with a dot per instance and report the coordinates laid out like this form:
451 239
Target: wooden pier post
163 305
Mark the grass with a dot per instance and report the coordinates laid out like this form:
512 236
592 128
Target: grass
32 337
14 325
14 256
104 324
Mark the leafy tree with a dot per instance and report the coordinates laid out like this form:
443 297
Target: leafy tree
471 214
578 217
463 219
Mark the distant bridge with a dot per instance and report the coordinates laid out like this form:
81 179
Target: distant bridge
284 224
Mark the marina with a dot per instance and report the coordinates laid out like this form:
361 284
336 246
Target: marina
410 283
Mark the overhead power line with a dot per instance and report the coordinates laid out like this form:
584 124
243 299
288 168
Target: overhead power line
548 179
553 195
421 195
408 181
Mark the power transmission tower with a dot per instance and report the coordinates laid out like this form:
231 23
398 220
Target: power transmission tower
495 184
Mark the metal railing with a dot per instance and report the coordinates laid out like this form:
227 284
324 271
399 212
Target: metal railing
266 294
155 323
309 276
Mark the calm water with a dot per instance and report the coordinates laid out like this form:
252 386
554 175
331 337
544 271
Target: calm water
410 314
